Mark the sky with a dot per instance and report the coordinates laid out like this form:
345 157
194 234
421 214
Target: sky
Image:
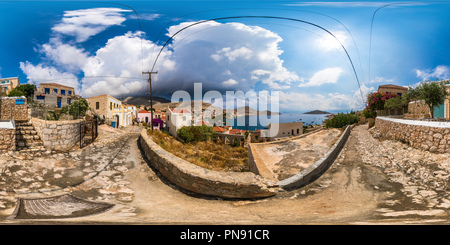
312 55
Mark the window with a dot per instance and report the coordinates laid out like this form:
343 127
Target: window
69 92
55 90
298 131
69 101
40 97
97 105
63 92
110 105
47 90
184 118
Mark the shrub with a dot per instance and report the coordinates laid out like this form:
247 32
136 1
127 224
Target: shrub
195 133
376 100
368 113
340 120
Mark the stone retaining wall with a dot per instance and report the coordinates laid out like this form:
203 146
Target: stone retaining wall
9 107
203 181
7 139
430 136
314 171
59 135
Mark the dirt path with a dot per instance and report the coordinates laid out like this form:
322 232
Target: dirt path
350 192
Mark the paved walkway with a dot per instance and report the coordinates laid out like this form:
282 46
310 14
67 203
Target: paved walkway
368 183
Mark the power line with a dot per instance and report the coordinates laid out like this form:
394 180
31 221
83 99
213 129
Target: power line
266 17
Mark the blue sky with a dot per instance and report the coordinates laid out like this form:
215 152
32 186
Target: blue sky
317 55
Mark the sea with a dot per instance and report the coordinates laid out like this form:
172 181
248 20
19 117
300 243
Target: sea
307 119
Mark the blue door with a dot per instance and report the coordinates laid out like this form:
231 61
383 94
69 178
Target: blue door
59 102
439 111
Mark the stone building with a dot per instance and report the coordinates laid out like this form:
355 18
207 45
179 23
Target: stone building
391 88
112 110
8 84
54 94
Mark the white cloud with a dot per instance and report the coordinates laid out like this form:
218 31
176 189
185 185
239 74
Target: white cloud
328 75
41 73
85 23
145 16
217 55
381 80
439 72
230 82
212 52
68 56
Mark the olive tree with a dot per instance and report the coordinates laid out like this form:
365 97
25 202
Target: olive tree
432 93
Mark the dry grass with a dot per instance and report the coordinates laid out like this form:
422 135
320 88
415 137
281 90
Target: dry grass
209 155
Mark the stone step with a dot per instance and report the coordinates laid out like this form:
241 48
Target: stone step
24 128
27 137
25 132
31 149
26 124
29 143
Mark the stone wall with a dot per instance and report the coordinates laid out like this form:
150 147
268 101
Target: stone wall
7 139
59 135
19 111
425 135
203 181
418 109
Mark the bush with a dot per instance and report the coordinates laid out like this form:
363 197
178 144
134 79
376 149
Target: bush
376 100
196 133
340 120
368 113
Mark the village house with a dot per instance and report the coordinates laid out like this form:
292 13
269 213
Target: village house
112 110
176 119
282 130
393 89
221 130
144 116
8 84
54 94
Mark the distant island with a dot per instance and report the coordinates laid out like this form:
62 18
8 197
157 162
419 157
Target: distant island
317 112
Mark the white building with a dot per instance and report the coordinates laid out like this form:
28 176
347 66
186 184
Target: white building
283 130
176 119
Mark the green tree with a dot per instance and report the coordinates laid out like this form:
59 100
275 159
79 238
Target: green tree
432 93
23 90
196 133
396 103
340 120
14 92
77 109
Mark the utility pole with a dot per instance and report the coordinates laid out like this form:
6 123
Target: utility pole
151 96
